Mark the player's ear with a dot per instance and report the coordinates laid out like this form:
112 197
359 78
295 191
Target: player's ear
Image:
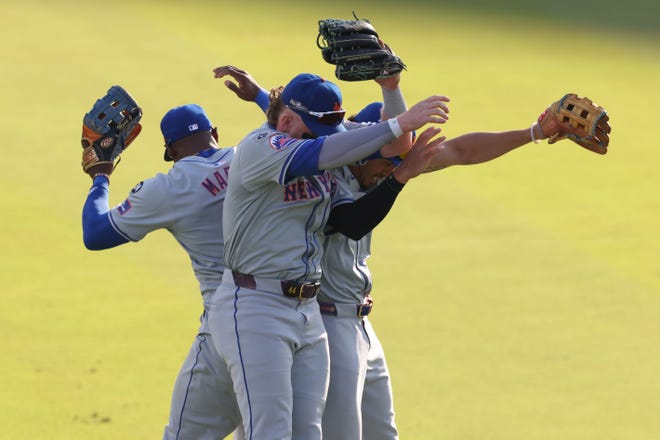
214 133
284 121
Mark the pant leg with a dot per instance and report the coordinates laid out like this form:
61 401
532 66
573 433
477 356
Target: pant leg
349 346
377 400
239 433
310 375
203 402
260 336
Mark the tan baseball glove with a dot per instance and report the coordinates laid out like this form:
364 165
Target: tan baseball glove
578 119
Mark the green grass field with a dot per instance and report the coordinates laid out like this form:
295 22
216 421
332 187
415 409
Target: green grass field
518 299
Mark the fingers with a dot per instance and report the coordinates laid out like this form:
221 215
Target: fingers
219 72
235 72
420 155
232 86
425 146
439 108
430 144
433 109
424 137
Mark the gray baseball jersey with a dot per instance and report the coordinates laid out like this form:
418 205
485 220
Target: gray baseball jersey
359 403
346 276
275 346
188 202
273 227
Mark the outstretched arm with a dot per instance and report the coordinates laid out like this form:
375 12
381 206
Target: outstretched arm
394 105
479 147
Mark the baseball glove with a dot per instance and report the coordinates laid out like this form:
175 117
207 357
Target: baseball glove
354 47
109 128
579 120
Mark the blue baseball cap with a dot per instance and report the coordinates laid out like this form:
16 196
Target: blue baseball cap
370 113
183 121
317 101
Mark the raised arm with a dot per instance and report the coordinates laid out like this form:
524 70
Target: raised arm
393 105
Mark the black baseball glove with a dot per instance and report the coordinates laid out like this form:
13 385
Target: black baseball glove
354 47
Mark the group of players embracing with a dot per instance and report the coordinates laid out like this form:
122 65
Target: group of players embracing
278 230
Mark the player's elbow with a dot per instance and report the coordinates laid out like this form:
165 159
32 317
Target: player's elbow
91 242
100 235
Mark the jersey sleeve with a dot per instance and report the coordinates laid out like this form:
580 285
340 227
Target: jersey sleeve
262 100
144 210
267 156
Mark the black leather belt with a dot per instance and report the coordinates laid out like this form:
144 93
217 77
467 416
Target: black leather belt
360 309
290 289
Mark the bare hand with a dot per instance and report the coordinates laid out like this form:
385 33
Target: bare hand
246 89
431 110
419 156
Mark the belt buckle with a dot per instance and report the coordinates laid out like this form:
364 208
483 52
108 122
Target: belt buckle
295 290
365 308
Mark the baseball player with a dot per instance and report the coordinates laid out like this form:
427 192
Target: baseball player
264 318
188 202
359 403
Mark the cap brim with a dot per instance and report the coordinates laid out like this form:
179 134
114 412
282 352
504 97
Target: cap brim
322 129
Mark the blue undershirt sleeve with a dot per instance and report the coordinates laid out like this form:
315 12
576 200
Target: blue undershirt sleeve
98 232
262 100
305 161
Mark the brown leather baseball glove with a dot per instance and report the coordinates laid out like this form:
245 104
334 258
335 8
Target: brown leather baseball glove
578 119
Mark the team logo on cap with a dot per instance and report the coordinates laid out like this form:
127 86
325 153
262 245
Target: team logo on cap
193 127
